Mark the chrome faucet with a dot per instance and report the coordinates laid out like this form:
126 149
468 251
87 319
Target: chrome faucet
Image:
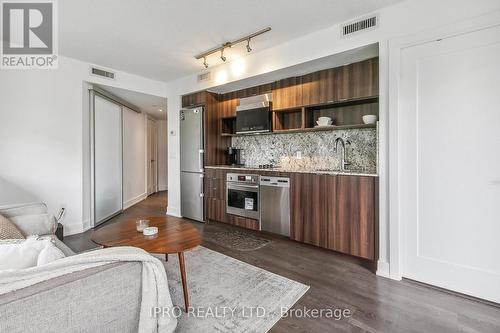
344 162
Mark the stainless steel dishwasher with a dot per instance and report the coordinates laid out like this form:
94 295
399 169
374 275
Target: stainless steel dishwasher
275 205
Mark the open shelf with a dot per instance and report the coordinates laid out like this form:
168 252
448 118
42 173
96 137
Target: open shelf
343 113
289 119
228 126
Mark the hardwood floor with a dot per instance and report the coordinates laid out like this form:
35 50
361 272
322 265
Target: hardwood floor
337 281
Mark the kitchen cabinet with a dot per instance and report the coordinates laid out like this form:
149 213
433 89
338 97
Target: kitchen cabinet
227 104
353 81
215 184
242 222
215 196
287 93
351 215
215 201
321 87
194 99
359 80
307 202
335 212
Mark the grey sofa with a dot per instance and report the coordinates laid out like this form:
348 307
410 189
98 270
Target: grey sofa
100 299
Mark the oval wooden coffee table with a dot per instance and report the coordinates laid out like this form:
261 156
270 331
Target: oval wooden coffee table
174 236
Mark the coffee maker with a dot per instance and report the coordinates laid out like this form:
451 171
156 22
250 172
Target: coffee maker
234 156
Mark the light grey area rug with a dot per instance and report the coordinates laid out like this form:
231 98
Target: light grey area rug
228 295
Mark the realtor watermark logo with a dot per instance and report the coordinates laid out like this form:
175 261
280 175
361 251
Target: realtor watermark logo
29 34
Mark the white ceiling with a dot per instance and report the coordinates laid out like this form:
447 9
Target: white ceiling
158 39
146 103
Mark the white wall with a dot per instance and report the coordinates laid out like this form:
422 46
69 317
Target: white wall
162 155
43 145
134 157
405 18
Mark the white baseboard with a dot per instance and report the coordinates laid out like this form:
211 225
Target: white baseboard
76 228
162 187
384 270
173 211
133 201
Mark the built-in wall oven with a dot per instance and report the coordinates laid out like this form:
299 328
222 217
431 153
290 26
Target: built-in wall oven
242 195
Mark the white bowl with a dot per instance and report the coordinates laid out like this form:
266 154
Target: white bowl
370 119
324 123
324 119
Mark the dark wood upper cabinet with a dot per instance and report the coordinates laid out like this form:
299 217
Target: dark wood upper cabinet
353 81
215 144
287 93
227 104
360 79
195 99
320 87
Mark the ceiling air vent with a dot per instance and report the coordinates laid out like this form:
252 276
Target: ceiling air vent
367 23
102 73
204 77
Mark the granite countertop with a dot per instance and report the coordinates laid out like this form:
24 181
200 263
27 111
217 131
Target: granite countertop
319 172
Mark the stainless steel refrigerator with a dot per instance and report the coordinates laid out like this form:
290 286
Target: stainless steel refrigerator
192 166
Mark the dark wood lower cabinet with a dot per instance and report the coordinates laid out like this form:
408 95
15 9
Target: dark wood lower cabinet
307 218
215 209
215 201
351 216
335 212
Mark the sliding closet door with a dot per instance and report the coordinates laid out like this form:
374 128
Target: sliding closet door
107 159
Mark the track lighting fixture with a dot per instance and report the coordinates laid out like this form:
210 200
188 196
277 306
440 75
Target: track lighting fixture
222 55
226 45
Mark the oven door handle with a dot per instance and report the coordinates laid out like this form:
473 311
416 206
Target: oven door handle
236 187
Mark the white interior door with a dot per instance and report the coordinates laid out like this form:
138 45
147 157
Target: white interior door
152 158
449 162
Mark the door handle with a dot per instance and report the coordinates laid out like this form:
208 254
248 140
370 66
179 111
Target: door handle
201 153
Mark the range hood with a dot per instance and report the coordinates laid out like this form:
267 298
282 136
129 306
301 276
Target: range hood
255 102
253 114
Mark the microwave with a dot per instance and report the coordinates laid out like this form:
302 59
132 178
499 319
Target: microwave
253 115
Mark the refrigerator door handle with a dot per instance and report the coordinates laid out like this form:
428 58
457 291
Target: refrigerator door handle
200 159
202 192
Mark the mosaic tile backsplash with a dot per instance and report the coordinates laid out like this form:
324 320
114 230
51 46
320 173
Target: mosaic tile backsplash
316 148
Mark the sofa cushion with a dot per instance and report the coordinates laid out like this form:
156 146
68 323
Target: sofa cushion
26 253
8 230
49 254
18 254
23 209
35 224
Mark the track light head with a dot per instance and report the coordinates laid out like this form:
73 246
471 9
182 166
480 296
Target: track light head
205 63
249 49
223 58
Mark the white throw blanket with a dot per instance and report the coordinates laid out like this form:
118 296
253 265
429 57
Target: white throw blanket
154 280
